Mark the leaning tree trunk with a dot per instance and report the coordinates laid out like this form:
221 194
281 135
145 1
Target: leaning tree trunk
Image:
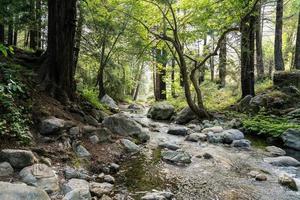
297 53
173 90
259 49
161 60
222 63
212 61
247 55
2 38
279 63
57 72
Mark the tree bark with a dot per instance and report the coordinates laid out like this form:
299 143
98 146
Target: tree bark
78 34
279 63
247 55
2 36
33 28
137 89
39 23
173 90
297 52
10 34
259 49
222 63
15 40
57 72
212 60
161 60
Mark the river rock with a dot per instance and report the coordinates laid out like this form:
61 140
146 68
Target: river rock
161 111
99 189
109 179
51 126
107 100
94 139
283 161
114 168
76 173
261 177
75 131
169 145
82 152
156 195
78 194
230 135
178 130
122 125
130 147
291 138
74 184
6 169
241 143
17 158
214 129
185 116
9 191
288 182
41 176
196 137
214 138
176 157
275 151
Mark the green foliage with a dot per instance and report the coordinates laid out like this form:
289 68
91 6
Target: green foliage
14 113
268 125
91 95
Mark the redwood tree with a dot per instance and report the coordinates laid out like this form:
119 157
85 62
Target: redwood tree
58 70
279 64
258 38
297 54
247 55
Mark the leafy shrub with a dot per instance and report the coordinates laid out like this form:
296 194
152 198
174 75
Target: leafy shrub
14 120
267 125
91 95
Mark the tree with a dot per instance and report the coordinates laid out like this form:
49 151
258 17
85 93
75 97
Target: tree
247 55
279 63
258 42
297 52
161 65
222 63
57 72
2 36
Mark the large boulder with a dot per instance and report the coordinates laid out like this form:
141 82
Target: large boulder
51 125
122 125
283 161
284 79
74 184
107 100
9 191
275 151
41 176
241 144
161 111
291 138
185 116
230 135
78 194
130 147
99 189
6 169
176 157
17 158
178 130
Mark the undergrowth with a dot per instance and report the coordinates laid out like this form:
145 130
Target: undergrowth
14 104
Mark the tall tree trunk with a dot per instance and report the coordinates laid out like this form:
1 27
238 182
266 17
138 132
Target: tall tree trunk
78 34
222 63
247 55
2 36
279 63
161 60
297 52
10 34
259 49
102 91
212 60
15 40
33 31
57 71
137 89
38 5
173 90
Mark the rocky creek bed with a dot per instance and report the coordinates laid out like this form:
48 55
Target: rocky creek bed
156 160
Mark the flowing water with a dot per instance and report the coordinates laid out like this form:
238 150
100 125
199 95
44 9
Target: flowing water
223 177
